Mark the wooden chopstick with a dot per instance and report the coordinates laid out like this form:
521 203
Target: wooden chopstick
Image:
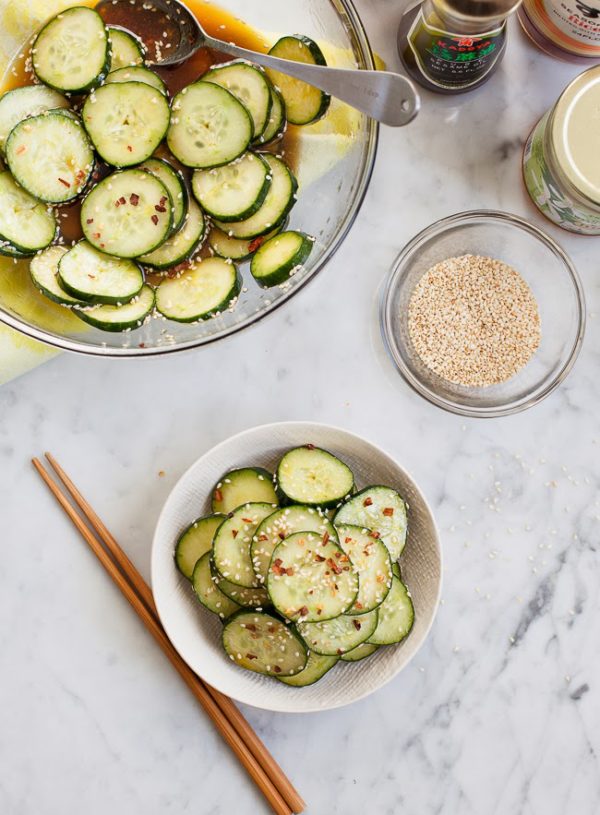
248 735
198 688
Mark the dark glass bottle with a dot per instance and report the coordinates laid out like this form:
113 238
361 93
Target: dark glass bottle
453 46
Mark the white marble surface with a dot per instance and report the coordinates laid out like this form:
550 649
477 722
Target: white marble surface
499 713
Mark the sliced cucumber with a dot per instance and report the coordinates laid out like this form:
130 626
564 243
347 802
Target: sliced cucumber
44 270
280 257
20 103
263 644
174 182
362 651
233 192
71 52
208 592
372 561
396 616
126 121
202 291
209 126
25 224
316 668
232 541
280 525
180 246
50 156
276 125
120 318
304 103
396 570
309 475
255 597
126 50
234 248
380 509
94 277
279 201
195 541
340 635
249 85
127 214
137 73
310 578
243 486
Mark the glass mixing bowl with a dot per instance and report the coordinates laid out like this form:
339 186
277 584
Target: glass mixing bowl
334 163
550 275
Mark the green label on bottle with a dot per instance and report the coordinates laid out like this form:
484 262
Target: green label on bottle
454 60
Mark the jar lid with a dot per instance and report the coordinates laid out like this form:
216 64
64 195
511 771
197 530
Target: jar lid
575 133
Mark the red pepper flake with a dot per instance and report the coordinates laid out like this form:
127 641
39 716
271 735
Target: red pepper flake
303 612
281 535
375 535
367 502
344 558
310 446
358 605
325 537
247 520
218 495
163 201
63 182
134 199
90 221
339 652
130 148
276 567
263 537
389 511
160 208
21 149
356 625
319 610
102 245
333 566
154 220
319 558
251 656
250 627
277 669
234 533
347 540
338 555
96 235
122 200
253 245
290 571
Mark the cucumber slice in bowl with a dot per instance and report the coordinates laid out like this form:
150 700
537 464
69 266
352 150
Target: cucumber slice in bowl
243 486
50 156
396 616
380 509
126 49
233 192
126 121
249 85
316 668
362 651
280 257
200 292
340 635
44 273
372 561
175 184
277 123
256 597
194 542
310 475
304 104
26 225
180 246
311 579
71 52
94 277
261 643
120 318
276 206
208 592
30 100
127 214
232 541
209 126
280 525
137 73
236 248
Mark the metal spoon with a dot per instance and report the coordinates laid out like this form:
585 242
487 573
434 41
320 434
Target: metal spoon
385 96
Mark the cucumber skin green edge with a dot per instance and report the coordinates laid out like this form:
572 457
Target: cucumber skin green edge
187 529
114 327
289 625
254 207
218 309
319 59
215 68
287 501
282 274
307 684
184 190
258 470
99 79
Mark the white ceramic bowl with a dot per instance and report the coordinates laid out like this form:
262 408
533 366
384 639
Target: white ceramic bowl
195 632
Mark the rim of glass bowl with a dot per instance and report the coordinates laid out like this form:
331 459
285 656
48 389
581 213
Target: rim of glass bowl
394 280
352 23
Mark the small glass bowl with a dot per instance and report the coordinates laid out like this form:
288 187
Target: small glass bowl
549 273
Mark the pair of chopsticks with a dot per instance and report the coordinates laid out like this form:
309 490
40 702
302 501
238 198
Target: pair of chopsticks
233 727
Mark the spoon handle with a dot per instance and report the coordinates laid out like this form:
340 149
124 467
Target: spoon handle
387 97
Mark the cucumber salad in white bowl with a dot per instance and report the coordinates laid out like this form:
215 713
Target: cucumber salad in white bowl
296 567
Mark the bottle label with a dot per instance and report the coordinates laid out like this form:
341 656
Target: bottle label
571 24
546 193
451 60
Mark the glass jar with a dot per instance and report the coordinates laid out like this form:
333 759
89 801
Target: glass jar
453 46
566 29
561 165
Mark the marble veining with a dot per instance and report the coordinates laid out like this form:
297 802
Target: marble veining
499 712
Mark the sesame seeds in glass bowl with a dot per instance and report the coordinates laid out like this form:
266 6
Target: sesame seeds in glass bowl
420 349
